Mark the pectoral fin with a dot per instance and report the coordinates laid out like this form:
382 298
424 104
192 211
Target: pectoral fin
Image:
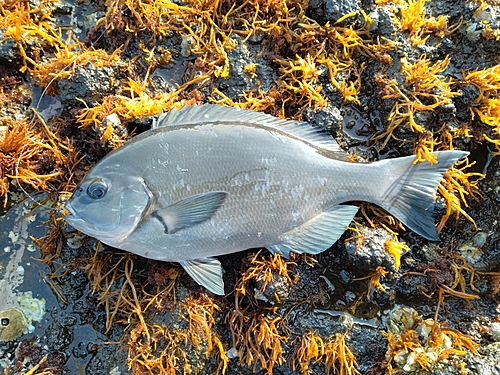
317 234
206 272
190 211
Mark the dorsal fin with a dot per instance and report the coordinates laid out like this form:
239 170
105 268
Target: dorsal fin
215 114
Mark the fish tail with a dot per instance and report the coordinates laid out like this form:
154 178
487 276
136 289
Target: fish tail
410 190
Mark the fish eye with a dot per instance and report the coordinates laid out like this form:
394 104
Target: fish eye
97 189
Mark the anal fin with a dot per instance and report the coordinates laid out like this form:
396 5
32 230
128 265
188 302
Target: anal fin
317 234
206 272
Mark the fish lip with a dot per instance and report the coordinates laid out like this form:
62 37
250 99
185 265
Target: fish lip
73 218
70 209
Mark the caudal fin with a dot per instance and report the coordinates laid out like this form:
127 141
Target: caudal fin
411 190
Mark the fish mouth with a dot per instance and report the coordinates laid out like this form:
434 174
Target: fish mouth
72 217
72 213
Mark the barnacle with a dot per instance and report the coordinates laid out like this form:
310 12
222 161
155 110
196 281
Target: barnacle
420 344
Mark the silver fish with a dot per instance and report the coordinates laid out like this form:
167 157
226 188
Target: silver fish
211 180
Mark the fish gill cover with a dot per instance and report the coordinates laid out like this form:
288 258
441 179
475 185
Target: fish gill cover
387 78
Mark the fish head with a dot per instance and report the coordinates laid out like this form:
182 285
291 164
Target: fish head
109 207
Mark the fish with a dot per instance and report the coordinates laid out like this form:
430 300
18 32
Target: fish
209 180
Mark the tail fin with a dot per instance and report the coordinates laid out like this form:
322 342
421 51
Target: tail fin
411 189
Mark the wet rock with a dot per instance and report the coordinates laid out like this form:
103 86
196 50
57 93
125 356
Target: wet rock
106 361
248 70
87 82
368 252
382 21
9 54
328 117
59 335
332 10
277 290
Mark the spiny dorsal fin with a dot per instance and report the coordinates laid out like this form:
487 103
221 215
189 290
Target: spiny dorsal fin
215 114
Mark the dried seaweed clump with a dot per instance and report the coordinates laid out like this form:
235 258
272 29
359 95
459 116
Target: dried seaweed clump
35 28
414 18
333 352
138 100
262 271
155 347
167 348
24 25
259 333
326 53
423 88
396 248
456 185
33 154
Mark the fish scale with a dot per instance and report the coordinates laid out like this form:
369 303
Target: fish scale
211 180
